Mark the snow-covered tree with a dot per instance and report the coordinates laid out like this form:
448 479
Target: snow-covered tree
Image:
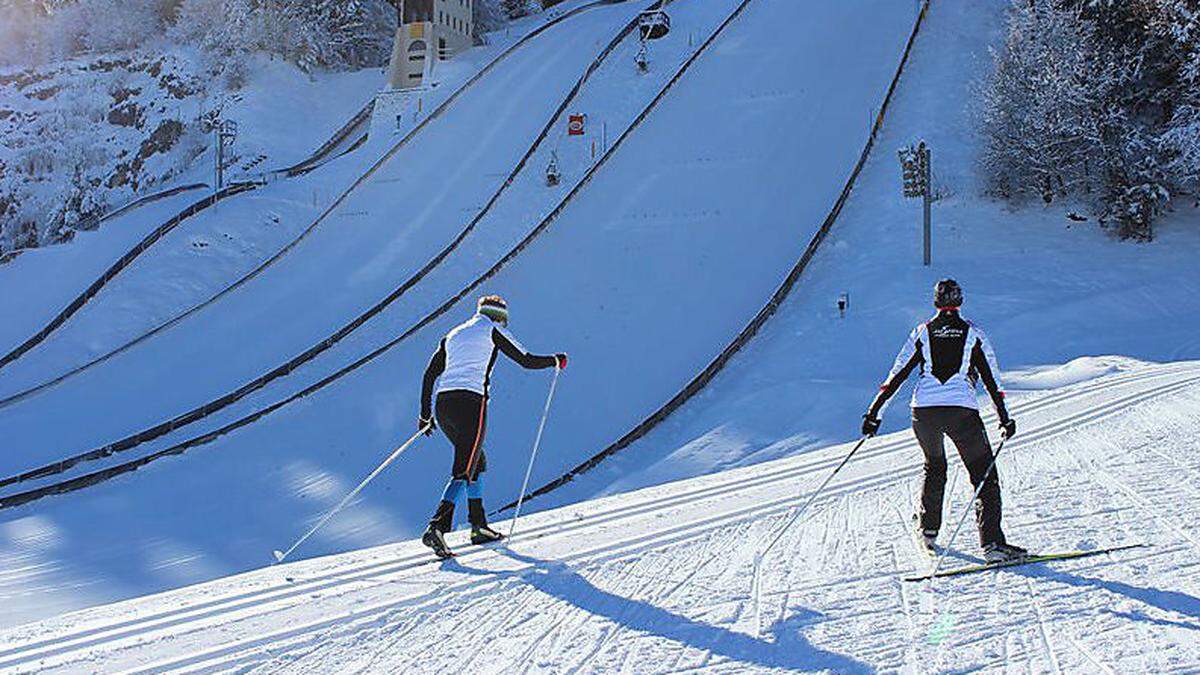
1097 99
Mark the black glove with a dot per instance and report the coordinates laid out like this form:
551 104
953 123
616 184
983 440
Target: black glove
427 424
870 425
1008 428
560 360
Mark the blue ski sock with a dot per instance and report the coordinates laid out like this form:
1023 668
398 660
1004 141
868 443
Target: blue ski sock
475 488
453 489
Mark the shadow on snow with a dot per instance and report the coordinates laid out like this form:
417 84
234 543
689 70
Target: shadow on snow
789 649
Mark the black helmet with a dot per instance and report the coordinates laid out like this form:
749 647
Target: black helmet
947 293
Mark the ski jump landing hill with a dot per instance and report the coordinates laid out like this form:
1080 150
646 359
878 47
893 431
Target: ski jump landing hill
644 274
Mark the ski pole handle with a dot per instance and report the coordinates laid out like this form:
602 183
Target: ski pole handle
279 557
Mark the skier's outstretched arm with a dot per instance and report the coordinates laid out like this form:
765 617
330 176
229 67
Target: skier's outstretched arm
506 343
909 357
983 361
437 364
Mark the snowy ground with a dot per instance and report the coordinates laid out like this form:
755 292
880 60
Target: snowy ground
658 580
618 239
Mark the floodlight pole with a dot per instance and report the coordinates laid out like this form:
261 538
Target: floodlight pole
928 199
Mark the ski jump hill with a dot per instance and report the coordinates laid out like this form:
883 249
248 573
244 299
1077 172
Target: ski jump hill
688 260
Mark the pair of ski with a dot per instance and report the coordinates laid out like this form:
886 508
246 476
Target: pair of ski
1016 562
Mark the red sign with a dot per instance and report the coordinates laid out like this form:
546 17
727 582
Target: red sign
575 125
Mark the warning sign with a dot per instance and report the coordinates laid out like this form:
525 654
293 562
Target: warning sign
575 125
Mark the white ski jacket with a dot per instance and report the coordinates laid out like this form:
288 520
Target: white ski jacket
464 359
952 355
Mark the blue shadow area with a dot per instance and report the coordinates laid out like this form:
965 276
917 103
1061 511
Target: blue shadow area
1176 602
789 649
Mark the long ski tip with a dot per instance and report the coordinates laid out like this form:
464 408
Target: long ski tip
278 556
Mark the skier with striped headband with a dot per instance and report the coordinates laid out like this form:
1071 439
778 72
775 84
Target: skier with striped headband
462 367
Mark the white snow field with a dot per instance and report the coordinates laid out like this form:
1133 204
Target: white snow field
608 282
658 580
1047 291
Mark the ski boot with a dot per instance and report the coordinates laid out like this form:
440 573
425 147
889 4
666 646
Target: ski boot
434 539
1001 553
480 532
484 535
439 524
928 540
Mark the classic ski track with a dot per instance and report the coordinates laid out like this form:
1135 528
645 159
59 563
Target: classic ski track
1039 614
87 480
384 159
634 509
174 619
810 586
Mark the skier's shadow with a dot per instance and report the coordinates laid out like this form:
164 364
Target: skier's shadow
789 649
1171 601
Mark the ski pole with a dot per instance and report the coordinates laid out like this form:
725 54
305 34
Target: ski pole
755 581
345 500
533 455
811 499
938 563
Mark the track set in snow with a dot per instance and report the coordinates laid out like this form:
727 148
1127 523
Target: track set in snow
658 580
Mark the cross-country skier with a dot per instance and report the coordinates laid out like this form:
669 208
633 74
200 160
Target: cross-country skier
462 368
951 354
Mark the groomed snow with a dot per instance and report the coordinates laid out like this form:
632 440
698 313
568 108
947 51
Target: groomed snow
610 246
658 580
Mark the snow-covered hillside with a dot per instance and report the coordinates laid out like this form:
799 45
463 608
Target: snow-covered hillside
658 580
87 135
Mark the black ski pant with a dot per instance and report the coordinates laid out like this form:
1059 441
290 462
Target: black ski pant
965 428
462 416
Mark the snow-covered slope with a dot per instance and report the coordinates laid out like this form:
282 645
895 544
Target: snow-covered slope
607 282
210 250
1046 289
356 256
658 580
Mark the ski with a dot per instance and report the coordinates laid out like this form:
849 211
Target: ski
1045 557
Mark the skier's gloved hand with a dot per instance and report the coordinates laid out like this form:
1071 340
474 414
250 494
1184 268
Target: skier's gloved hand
1008 428
870 425
561 358
427 424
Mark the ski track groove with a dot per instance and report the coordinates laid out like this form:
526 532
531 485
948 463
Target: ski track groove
718 488
1115 487
1039 613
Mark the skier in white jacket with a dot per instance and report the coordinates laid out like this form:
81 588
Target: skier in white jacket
462 369
951 355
